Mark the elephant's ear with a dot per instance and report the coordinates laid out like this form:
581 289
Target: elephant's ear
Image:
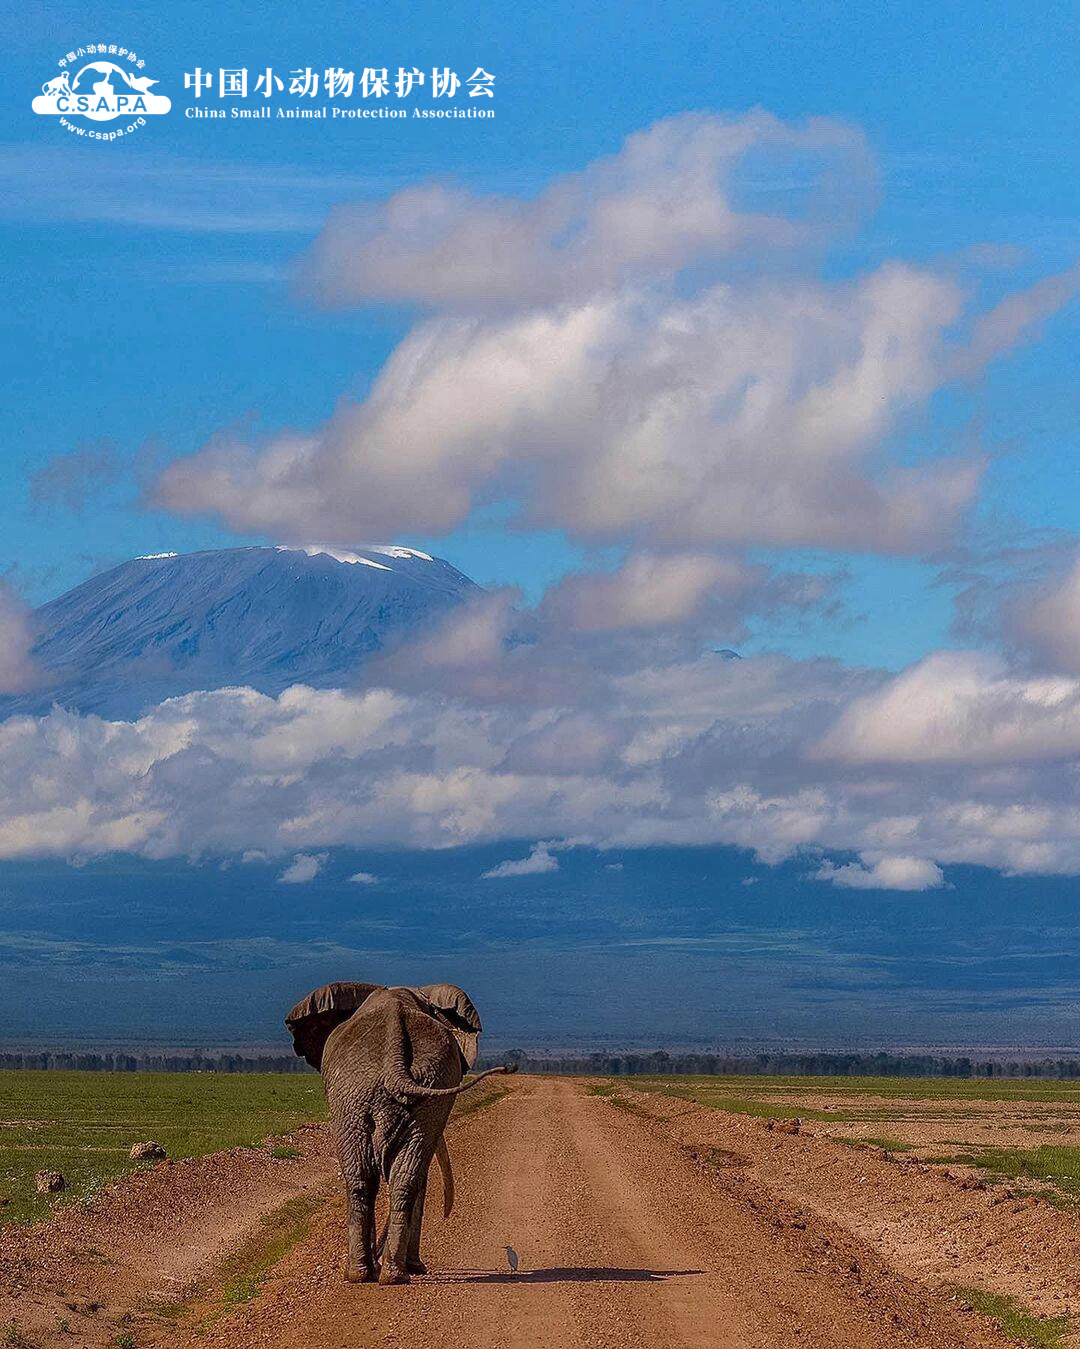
314 1017
456 1006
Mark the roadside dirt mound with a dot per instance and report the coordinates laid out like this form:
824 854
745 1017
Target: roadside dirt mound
928 1223
147 1239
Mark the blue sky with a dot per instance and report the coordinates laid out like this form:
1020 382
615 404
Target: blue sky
680 395
148 339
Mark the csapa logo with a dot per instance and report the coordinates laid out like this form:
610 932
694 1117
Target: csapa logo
101 83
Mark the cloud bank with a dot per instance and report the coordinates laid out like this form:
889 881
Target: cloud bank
591 740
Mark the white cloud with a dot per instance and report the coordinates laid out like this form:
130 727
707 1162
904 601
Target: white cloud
1013 320
744 414
666 200
537 863
887 873
363 878
618 740
649 591
1048 621
17 671
959 707
590 360
303 868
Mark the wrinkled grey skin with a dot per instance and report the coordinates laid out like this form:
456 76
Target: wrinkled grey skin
392 1061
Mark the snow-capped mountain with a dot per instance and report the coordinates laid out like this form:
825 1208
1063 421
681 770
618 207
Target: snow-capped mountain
266 617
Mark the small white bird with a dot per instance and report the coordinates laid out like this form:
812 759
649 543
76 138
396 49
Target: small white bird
512 1258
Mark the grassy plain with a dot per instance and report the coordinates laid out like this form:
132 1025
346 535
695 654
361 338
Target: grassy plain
83 1124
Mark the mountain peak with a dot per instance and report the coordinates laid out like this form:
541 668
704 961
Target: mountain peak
265 616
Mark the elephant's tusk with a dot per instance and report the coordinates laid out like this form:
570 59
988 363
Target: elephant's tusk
447 1177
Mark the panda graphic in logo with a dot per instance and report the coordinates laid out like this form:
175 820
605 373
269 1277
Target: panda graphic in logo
101 91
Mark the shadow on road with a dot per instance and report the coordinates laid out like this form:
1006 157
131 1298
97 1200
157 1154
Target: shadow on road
600 1274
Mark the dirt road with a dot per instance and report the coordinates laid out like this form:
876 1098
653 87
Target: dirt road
623 1238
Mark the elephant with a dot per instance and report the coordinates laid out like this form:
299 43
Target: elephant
392 1062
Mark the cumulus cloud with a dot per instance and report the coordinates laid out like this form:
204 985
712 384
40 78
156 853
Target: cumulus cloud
647 355
886 873
742 414
363 878
960 707
537 863
647 591
1046 620
597 740
303 868
593 358
17 671
668 199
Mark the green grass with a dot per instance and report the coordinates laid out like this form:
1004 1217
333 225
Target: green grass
248 1269
1036 1332
1050 1091
713 1091
610 1092
1059 1166
855 1096
885 1144
83 1124
284 1154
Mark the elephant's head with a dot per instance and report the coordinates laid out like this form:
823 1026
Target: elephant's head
314 1017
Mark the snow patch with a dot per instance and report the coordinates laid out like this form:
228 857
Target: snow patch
398 550
153 557
353 559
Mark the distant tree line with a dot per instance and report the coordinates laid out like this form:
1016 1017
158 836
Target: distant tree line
139 1061
808 1064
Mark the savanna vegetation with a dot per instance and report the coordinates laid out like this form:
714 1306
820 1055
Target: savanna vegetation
83 1124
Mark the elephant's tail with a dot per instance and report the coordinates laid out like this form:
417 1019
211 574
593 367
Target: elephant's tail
401 1085
447 1177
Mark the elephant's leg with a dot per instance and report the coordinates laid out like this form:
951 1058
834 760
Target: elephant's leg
413 1263
361 1265
406 1179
